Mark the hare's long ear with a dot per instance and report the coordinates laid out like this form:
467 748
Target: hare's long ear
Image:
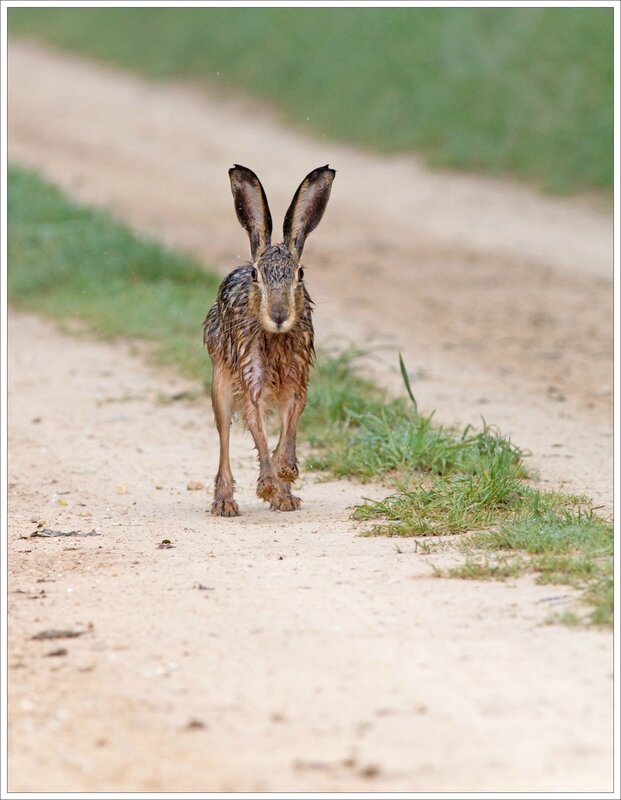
252 209
307 207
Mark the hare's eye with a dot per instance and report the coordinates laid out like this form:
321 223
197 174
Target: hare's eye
300 274
254 275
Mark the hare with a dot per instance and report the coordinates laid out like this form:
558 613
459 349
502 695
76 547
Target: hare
259 334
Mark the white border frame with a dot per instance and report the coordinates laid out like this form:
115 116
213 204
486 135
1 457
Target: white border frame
5 5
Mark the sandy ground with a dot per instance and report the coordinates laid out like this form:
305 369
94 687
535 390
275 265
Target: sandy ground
314 659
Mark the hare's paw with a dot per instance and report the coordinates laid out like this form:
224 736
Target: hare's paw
287 471
267 487
224 508
285 501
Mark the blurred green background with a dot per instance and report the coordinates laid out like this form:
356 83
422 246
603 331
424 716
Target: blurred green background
522 91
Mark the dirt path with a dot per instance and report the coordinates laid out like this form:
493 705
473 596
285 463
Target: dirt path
500 299
315 660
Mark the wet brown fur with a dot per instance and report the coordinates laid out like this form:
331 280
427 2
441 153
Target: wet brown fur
259 334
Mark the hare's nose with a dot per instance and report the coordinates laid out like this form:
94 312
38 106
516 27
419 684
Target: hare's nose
279 314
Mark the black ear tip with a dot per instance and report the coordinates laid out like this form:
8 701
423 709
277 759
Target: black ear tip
240 168
321 171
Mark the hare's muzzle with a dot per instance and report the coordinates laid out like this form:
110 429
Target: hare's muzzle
279 314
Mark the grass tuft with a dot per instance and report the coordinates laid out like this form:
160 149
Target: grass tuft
567 544
337 393
568 618
476 480
486 569
476 483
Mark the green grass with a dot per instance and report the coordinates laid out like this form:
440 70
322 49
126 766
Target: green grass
449 484
526 91
457 505
71 262
520 530
487 569
568 546
571 546
338 393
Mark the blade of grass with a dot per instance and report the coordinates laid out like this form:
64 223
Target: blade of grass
406 381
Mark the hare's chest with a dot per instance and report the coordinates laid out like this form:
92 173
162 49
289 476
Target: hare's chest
277 359
275 364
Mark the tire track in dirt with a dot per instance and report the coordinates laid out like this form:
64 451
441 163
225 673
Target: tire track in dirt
499 298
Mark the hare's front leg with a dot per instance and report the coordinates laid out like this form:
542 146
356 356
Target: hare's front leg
222 399
269 485
291 404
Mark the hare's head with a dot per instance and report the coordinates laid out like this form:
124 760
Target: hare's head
276 274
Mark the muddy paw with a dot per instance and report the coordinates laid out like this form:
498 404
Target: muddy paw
285 502
224 508
266 488
288 471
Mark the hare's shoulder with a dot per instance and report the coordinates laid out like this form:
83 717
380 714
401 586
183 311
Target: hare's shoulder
229 314
235 286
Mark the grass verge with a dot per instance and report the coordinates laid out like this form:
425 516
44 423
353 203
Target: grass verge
477 483
69 262
526 91
566 545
